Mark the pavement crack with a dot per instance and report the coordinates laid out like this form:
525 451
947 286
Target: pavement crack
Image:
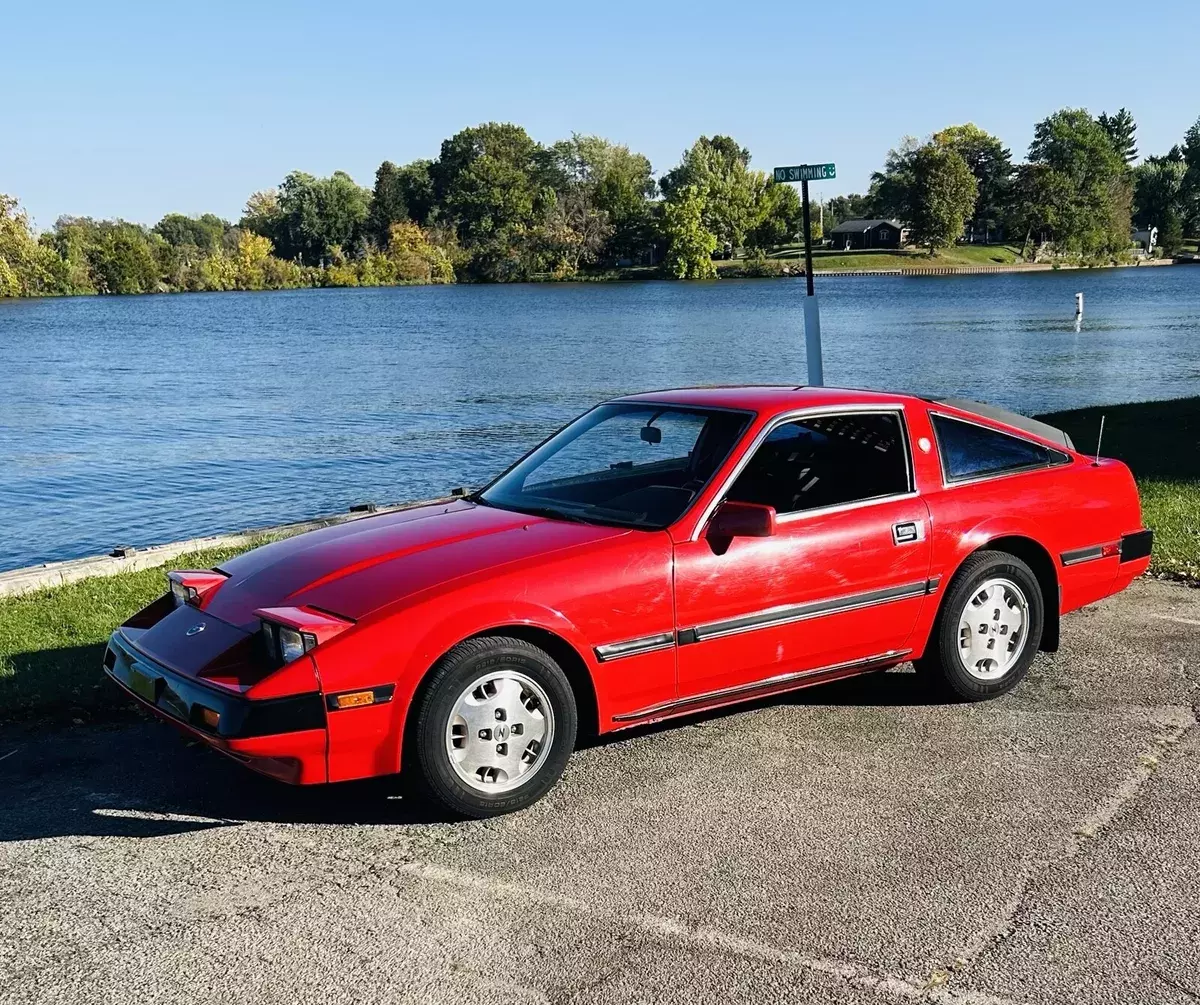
1084 833
1176 984
700 937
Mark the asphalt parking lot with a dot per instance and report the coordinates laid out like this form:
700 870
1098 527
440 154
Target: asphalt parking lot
846 844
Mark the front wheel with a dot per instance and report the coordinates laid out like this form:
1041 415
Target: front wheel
495 725
988 629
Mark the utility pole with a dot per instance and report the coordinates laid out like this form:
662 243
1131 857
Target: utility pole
812 313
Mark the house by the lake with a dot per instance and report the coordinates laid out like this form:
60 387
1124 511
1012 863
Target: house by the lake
853 235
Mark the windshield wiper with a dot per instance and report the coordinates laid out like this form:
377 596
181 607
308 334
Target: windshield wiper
551 513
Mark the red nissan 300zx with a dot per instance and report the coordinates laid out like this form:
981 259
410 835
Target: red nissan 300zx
662 554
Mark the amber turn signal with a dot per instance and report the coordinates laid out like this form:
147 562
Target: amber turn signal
210 718
354 699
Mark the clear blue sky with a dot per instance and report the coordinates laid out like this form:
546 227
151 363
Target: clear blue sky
135 110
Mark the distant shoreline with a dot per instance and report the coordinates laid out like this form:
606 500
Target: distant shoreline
732 269
972 270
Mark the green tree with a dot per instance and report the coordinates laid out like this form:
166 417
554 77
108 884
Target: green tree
494 184
119 255
388 204
1038 193
719 171
991 164
261 214
1158 191
415 185
778 217
690 245
1085 188
1121 131
28 268
316 215
942 198
1189 193
416 257
205 232
618 184
891 192
1170 234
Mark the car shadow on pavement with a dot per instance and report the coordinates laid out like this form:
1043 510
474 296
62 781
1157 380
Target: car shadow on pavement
891 688
141 779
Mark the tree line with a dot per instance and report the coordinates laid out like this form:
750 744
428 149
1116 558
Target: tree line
497 206
1078 193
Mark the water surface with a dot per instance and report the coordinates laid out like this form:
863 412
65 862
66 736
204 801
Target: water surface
147 419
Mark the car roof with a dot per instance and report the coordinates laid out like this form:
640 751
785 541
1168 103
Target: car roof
766 398
771 399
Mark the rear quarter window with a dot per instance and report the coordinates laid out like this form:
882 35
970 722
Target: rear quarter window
972 451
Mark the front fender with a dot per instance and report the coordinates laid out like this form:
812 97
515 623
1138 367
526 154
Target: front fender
443 635
368 741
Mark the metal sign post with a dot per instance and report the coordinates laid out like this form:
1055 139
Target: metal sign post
804 173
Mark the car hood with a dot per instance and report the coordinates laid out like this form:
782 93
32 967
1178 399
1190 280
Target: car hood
355 568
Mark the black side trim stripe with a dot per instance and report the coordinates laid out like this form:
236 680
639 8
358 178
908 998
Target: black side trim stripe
1137 545
746 691
764 619
1082 555
634 647
799 612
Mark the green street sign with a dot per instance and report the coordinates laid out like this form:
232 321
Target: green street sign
806 172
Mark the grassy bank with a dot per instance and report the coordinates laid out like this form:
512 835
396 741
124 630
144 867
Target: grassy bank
967 255
52 641
791 257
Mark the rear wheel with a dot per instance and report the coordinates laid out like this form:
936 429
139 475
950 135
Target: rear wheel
988 629
495 725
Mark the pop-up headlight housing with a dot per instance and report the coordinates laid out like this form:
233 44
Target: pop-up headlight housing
289 632
192 586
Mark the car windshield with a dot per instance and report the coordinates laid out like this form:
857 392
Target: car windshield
628 464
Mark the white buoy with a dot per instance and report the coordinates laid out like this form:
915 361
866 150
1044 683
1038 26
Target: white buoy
1079 305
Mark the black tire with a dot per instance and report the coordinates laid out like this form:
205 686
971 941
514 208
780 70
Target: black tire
428 759
941 664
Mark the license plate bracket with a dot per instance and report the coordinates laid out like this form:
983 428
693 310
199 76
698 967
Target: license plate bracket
145 684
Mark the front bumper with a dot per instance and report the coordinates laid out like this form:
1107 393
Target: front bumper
285 738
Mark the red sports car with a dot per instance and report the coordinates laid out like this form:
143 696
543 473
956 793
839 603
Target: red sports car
662 554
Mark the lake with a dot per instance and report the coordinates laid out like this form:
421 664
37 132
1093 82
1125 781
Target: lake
138 420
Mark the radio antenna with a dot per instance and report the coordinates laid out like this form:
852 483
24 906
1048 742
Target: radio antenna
1099 438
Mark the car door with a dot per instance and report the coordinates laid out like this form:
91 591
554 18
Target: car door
841 581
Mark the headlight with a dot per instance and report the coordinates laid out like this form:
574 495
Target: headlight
291 644
288 633
192 586
284 643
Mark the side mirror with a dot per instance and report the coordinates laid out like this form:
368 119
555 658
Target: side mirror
742 519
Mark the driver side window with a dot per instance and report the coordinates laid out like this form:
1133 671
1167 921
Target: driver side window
827 460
